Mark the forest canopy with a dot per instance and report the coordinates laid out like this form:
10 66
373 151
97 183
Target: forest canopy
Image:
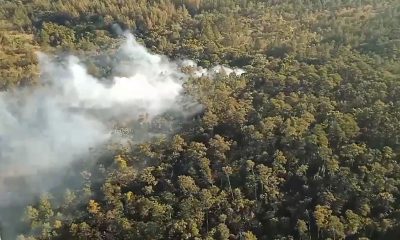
304 145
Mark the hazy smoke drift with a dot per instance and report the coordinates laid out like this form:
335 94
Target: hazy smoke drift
48 127
219 69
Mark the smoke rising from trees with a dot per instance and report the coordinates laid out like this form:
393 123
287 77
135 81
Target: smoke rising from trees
49 126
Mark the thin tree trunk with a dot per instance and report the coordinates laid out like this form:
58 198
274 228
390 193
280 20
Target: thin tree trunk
255 186
230 187
207 221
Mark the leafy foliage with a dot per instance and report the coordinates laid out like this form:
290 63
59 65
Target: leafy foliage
303 146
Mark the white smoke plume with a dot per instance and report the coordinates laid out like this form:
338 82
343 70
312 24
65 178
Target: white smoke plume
49 126
199 71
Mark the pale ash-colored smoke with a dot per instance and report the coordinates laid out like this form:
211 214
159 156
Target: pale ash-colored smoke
48 127
198 71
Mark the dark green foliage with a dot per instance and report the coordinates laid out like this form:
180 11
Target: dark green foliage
305 145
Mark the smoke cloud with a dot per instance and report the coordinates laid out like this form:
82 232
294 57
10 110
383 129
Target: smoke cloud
198 71
52 125
48 127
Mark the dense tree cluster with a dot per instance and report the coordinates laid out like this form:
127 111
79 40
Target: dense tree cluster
305 145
